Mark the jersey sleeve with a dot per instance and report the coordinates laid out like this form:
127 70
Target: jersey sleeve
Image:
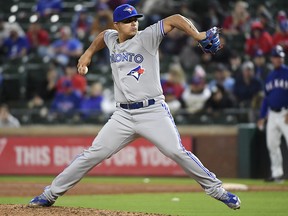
110 37
152 36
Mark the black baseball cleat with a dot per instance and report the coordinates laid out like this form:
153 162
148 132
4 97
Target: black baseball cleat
278 180
40 201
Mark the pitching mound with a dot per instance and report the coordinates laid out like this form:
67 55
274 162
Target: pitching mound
17 210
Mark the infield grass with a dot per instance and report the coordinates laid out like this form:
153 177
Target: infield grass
136 180
189 204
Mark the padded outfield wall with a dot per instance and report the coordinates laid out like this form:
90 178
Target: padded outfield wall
228 151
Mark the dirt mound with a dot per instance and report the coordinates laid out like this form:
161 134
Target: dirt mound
17 210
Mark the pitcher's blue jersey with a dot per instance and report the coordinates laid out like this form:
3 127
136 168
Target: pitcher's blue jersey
276 90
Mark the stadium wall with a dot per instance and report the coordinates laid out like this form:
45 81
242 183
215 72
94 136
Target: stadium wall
45 150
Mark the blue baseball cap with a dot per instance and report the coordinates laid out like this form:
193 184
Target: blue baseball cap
125 11
258 53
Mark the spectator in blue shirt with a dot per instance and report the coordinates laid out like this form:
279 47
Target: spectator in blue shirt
92 104
15 46
66 48
48 7
66 103
247 87
262 68
222 77
81 24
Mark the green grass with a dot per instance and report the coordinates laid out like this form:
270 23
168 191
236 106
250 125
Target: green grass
264 203
253 203
190 204
132 180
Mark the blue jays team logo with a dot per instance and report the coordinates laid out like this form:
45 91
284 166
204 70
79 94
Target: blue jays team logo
128 9
136 72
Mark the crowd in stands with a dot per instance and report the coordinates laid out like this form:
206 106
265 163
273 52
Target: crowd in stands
194 83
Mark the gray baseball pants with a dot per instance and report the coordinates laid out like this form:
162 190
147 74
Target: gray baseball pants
154 123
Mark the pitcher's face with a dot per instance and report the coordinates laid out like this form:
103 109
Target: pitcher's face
128 27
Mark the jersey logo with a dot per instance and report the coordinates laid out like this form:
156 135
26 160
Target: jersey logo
128 9
136 72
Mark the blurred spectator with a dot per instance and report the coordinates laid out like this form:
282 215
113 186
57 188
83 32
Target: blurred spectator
173 86
189 56
196 94
6 27
163 7
103 20
237 22
280 37
265 17
15 46
78 82
235 62
206 59
259 39
92 104
38 39
261 66
47 89
47 7
214 16
66 103
281 15
45 86
37 108
222 77
247 87
115 3
35 102
173 43
81 24
153 14
6 118
66 48
199 72
184 8
219 100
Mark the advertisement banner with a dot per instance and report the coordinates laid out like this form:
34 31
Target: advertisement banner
50 155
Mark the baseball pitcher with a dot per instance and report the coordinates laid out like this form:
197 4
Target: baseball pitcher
141 109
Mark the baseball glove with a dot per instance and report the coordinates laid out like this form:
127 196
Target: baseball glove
211 44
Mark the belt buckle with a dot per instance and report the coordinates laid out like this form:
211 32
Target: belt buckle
145 103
